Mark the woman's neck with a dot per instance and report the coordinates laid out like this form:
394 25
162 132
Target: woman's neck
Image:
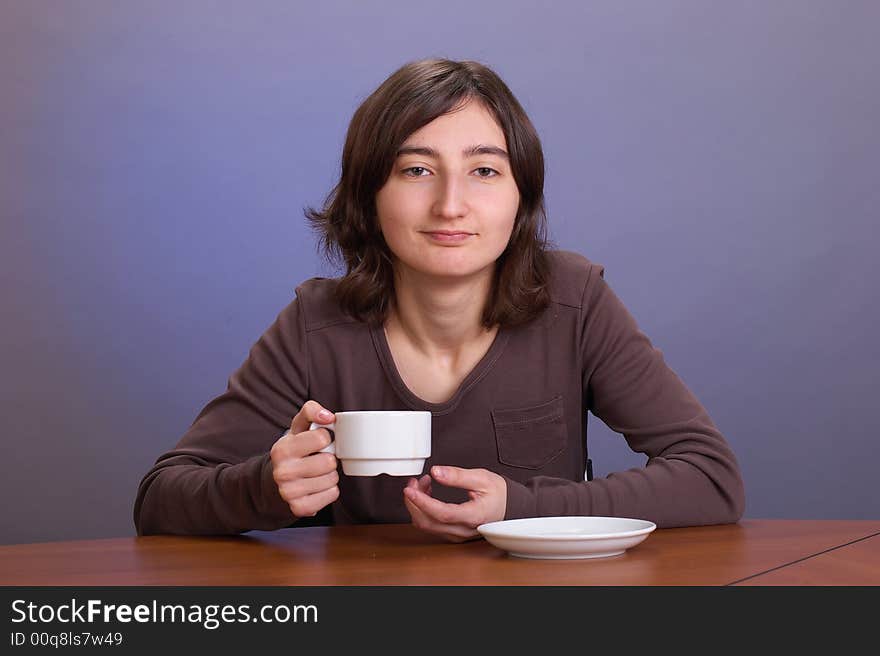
438 317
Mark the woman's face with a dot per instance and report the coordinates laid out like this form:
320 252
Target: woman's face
448 207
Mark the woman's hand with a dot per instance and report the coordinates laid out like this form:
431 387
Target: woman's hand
456 522
307 480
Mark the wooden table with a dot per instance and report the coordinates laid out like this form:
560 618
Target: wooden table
856 563
753 552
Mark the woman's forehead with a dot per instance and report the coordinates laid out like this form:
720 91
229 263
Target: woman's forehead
461 130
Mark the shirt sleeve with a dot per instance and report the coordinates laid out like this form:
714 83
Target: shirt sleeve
218 479
691 478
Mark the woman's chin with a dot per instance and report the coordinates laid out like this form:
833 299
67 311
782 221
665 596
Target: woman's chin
448 263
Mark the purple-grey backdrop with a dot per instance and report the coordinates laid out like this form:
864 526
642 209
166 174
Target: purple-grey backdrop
720 159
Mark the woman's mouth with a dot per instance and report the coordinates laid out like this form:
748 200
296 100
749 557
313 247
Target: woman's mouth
448 236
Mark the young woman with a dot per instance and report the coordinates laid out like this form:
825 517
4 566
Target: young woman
451 302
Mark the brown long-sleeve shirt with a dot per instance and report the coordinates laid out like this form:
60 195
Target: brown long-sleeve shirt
521 412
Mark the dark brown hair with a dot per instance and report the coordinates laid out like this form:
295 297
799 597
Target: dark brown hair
348 225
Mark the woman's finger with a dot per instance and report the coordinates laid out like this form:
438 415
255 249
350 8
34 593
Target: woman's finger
452 532
444 513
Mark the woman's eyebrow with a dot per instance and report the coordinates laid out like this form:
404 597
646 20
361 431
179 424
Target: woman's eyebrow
480 149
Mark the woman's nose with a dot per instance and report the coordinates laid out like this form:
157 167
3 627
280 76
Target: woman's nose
451 201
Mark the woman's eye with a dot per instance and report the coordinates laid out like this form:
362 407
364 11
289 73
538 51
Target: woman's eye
421 171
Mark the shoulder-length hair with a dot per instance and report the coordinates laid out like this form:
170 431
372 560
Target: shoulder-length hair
348 225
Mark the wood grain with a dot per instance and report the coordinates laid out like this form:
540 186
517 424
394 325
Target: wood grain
857 563
402 555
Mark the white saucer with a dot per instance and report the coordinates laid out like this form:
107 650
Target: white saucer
566 537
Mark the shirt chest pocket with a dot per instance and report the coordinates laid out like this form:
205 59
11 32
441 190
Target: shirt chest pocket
530 437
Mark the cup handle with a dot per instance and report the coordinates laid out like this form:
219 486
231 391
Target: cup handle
330 448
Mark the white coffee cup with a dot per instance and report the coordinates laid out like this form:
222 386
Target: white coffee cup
373 442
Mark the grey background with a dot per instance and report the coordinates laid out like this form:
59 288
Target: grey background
720 159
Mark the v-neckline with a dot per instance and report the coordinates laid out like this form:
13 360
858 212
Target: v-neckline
383 350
